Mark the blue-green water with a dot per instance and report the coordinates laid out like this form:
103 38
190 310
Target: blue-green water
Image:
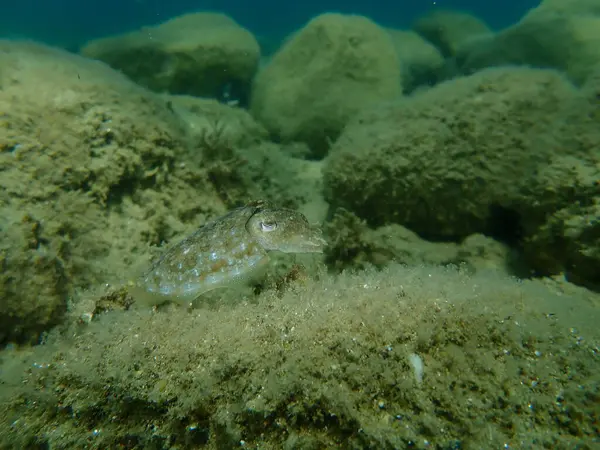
70 22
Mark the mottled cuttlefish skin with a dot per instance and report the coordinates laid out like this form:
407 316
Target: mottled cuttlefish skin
228 250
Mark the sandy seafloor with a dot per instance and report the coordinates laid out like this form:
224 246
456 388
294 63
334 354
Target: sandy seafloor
456 306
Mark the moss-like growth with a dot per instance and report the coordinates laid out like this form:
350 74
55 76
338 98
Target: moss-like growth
322 364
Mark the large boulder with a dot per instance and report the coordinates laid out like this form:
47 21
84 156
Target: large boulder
568 7
557 34
450 30
212 122
421 63
93 171
568 243
201 54
323 75
493 153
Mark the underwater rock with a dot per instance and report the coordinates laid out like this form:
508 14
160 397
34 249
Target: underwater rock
591 88
209 120
560 35
586 7
568 244
93 169
353 245
321 366
200 54
421 63
324 74
492 153
232 148
34 286
449 30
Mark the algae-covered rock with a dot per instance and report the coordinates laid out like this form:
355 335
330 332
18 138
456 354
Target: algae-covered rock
231 147
589 7
492 153
323 75
201 54
560 35
591 88
569 244
34 287
91 176
354 245
421 63
210 120
450 30
375 360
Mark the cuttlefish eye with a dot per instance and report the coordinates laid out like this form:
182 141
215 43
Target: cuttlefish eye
268 226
